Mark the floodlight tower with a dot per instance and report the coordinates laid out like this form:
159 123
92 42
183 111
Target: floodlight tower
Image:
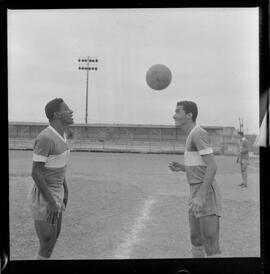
87 63
241 125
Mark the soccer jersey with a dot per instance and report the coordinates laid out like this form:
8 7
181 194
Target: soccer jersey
52 149
197 144
244 146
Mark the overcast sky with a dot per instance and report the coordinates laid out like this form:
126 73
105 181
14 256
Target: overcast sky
212 54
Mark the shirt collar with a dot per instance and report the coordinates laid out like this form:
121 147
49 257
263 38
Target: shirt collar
56 132
196 126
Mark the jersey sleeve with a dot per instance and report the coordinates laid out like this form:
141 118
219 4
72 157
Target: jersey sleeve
42 148
202 142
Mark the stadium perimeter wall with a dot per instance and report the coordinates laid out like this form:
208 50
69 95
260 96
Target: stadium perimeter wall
124 137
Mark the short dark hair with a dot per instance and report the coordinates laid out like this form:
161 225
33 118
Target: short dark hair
52 107
189 107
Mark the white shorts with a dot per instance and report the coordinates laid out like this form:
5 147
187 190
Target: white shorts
212 204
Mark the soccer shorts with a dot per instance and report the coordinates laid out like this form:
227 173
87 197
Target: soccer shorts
212 205
244 163
38 205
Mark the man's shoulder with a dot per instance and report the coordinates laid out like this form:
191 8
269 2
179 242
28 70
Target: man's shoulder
43 143
45 135
201 140
199 131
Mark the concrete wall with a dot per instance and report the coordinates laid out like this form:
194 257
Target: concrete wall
146 138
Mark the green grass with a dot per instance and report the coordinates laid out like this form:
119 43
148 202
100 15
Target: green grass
107 191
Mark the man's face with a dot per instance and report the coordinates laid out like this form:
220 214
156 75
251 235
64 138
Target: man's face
180 117
66 114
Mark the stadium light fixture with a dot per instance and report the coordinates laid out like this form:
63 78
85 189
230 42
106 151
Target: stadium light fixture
87 63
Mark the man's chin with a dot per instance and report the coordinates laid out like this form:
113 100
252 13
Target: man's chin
70 122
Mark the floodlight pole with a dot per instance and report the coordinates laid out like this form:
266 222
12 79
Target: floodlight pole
86 103
241 125
88 60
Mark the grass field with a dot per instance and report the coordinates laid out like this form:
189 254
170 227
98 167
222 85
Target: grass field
131 206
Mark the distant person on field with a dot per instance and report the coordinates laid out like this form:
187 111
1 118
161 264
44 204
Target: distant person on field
243 158
49 192
200 167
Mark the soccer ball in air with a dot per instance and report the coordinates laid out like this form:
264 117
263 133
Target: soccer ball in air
158 77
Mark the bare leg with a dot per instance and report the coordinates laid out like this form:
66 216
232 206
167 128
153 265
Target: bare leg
47 235
196 237
59 224
210 234
244 173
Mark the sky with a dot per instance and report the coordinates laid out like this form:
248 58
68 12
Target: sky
213 55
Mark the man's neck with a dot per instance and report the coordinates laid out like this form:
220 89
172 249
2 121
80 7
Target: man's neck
59 127
188 127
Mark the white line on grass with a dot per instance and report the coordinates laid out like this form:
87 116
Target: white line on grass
124 250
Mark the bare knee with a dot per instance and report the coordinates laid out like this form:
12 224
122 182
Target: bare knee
196 239
47 245
195 231
211 243
210 235
209 239
49 239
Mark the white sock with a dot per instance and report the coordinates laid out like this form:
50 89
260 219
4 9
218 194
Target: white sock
42 258
197 251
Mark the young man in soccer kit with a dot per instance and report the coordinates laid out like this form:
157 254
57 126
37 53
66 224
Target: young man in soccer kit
49 192
200 167
243 158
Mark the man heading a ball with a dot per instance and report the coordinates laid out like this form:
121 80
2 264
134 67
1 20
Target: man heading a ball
200 167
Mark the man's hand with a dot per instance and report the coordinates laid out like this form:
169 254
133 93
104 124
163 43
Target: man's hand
53 211
197 204
175 166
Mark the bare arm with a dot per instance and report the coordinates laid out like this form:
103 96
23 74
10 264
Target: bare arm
238 158
199 200
41 184
40 181
175 166
65 200
210 173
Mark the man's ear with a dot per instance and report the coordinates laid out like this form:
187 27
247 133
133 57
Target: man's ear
57 115
189 115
